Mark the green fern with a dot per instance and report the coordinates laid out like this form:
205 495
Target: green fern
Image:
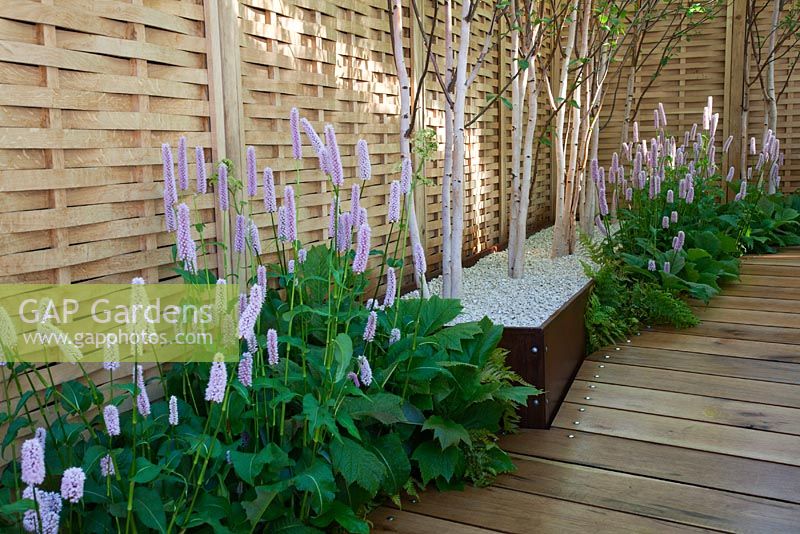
658 306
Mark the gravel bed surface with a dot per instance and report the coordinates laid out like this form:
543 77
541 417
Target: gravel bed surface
527 302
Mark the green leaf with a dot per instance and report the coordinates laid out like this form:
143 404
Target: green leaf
450 338
249 465
343 354
434 462
384 407
146 471
255 509
389 450
447 432
318 416
357 465
149 509
75 397
319 482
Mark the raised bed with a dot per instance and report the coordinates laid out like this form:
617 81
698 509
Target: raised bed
548 357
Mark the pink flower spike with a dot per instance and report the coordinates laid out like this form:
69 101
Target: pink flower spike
252 183
238 239
294 126
142 398
173 410
673 217
255 239
371 327
302 254
334 157
365 371
406 176
249 317
727 144
107 466
391 288
183 165
111 419
354 378
664 222
32 462
270 204
394 201
364 165
200 161
245 371
420 265
316 143
72 484
291 214
355 205
651 265
186 248
362 250
222 186
170 193
272 347
217 380
666 267
394 336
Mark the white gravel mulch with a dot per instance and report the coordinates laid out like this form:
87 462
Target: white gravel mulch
526 302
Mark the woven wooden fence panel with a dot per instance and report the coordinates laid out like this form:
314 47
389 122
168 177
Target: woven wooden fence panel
89 92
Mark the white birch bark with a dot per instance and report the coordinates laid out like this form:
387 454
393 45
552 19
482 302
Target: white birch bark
459 104
517 269
517 102
405 124
447 179
771 115
561 226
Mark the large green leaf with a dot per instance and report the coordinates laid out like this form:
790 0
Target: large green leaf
434 462
389 450
447 432
145 471
357 465
318 481
148 507
384 407
255 509
343 354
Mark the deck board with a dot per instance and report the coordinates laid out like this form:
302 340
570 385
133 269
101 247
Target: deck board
683 430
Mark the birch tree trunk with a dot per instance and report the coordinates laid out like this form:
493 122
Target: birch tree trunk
447 179
517 269
562 224
771 115
405 125
459 104
517 103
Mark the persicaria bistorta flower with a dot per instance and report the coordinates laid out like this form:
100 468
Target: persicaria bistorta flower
673 217
270 204
405 175
362 250
111 418
49 511
665 222
666 267
272 347
186 248
41 435
354 378
255 238
601 227
391 288
245 371
362 155
72 484
173 410
222 186
334 157
395 191
670 196
290 230
261 278
420 265
651 265
290 266
170 193
371 327
32 462
252 183
249 316
200 161
142 398
238 237
183 165
107 466
344 232
317 144
294 126
215 390
302 254
394 336
355 205
364 370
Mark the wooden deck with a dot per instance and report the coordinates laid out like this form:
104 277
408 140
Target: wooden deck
675 431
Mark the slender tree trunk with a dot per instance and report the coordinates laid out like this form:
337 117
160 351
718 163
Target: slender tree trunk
771 104
518 268
630 89
459 151
562 224
517 102
405 125
447 181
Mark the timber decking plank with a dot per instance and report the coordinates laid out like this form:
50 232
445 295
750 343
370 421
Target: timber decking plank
753 268
748 317
523 513
750 303
693 341
685 406
678 464
658 499
693 383
745 442
404 522
744 290
769 337
769 281
712 364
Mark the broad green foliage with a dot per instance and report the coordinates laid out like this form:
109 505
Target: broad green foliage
337 416
674 233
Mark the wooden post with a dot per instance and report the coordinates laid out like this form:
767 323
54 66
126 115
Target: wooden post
232 101
417 62
501 139
216 114
734 82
